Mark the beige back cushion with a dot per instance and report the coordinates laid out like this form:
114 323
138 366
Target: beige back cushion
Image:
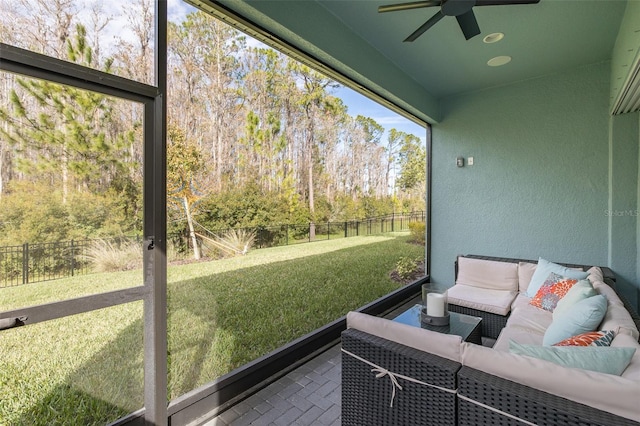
444 345
525 272
614 394
617 317
595 274
489 274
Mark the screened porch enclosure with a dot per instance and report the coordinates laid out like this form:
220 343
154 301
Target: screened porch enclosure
107 334
555 174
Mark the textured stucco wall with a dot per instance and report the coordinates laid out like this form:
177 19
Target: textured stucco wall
623 213
540 182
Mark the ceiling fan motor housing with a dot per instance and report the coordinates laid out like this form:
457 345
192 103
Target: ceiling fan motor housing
461 9
456 7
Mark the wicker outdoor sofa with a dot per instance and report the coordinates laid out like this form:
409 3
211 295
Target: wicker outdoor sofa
394 374
493 323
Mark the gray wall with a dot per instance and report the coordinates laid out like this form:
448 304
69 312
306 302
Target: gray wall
551 171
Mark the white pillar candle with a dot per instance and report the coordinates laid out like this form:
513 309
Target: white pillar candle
435 304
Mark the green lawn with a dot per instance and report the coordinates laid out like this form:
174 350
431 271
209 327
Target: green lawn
87 369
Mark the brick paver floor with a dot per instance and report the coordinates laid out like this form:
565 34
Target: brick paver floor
308 395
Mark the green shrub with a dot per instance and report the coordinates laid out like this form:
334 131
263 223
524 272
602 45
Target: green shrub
406 267
417 230
34 212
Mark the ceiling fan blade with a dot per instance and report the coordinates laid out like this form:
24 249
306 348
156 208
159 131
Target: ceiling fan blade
504 2
408 6
430 23
468 24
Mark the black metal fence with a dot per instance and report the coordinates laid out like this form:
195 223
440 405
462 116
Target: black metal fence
273 236
41 262
29 263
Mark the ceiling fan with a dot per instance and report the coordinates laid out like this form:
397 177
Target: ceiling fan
461 9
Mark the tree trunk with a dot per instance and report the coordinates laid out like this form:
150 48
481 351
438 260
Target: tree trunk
312 227
2 171
312 207
218 114
192 233
65 176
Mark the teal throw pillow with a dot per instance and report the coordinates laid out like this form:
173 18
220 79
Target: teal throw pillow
594 358
584 316
544 268
580 291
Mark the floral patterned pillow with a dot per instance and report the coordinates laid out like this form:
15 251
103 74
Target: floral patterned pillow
554 288
591 338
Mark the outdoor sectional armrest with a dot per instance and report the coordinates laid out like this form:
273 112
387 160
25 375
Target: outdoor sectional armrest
367 399
523 402
491 325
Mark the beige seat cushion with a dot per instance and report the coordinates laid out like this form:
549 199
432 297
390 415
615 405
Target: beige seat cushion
521 300
483 299
529 318
632 372
488 274
517 334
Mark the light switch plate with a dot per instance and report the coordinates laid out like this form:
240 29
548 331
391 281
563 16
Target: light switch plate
470 161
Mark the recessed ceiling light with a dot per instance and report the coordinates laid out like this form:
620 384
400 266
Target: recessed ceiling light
499 61
493 38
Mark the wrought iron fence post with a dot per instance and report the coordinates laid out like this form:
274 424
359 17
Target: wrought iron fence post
25 263
286 228
345 230
328 229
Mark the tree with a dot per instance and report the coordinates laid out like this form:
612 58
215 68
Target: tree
206 74
393 143
6 158
255 116
134 56
413 164
41 26
265 86
371 159
330 150
185 174
68 136
315 103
